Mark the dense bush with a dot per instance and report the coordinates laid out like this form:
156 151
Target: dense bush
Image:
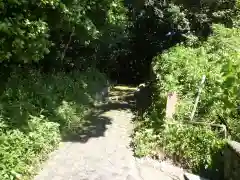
158 25
21 152
35 108
181 70
116 36
68 31
194 147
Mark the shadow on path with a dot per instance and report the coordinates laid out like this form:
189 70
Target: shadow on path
97 122
95 126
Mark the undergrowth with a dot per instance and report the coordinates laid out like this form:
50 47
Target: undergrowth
195 148
36 110
180 70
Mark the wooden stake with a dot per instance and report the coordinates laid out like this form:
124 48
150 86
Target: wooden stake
171 105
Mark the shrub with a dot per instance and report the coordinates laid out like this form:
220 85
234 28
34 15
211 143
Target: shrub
29 31
145 142
35 110
20 151
181 70
194 147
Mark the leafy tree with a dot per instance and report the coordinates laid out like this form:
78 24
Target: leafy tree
158 25
67 31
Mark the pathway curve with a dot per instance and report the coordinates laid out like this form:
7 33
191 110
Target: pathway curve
107 156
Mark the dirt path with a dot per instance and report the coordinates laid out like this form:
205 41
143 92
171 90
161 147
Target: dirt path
106 155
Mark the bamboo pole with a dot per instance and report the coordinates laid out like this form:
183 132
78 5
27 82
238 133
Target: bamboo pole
198 97
66 47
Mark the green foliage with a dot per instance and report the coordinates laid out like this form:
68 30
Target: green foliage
145 141
35 109
194 147
21 152
182 68
24 36
222 11
61 30
157 25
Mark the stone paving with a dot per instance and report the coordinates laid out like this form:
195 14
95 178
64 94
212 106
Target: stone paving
107 156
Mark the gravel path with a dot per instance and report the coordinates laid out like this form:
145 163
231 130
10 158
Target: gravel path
106 156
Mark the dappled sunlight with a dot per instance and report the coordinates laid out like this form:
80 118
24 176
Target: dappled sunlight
94 126
96 121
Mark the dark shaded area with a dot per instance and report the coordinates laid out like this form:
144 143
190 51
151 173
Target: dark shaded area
95 127
97 123
143 98
216 171
124 51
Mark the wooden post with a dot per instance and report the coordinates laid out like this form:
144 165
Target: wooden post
171 105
